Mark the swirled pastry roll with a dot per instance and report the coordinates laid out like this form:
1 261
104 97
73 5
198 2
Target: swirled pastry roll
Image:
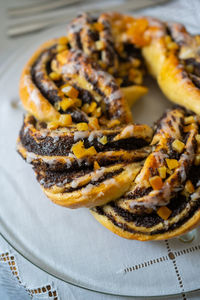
163 200
80 168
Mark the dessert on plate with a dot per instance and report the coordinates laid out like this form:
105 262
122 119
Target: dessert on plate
140 182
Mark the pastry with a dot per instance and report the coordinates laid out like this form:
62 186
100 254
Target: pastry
140 182
164 198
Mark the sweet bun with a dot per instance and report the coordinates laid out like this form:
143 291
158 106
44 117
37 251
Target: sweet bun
139 182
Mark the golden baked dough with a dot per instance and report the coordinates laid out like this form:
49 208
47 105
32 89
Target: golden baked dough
163 200
139 182
89 180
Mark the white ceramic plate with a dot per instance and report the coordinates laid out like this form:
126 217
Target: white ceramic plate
71 244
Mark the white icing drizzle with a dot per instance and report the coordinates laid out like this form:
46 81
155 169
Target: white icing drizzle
70 68
68 162
92 136
110 181
134 204
27 129
107 78
44 133
101 194
196 195
87 189
116 95
55 139
75 183
198 183
80 135
49 161
76 27
30 157
97 174
128 130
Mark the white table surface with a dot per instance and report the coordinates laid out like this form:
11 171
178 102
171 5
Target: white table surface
10 287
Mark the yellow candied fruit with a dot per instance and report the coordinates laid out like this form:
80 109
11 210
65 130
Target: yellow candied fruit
156 182
113 123
189 187
136 32
162 172
97 112
62 57
189 128
53 125
172 46
69 91
92 107
96 165
79 150
82 126
178 146
66 103
164 212
197 137
93 123
98 26
189 120
65 120
100 45
86 108
55 76
63 40
103 140
197 160
61 48
172 163
170 172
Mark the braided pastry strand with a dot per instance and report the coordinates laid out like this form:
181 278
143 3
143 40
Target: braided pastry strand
81 142
79 136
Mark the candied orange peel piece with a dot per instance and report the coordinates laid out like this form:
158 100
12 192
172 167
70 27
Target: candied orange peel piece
80 151
82 126
93 123
69 91
172 163
66 103
96 165
164 212
189 187
162 172
103 140
156 182
136 32
178 146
